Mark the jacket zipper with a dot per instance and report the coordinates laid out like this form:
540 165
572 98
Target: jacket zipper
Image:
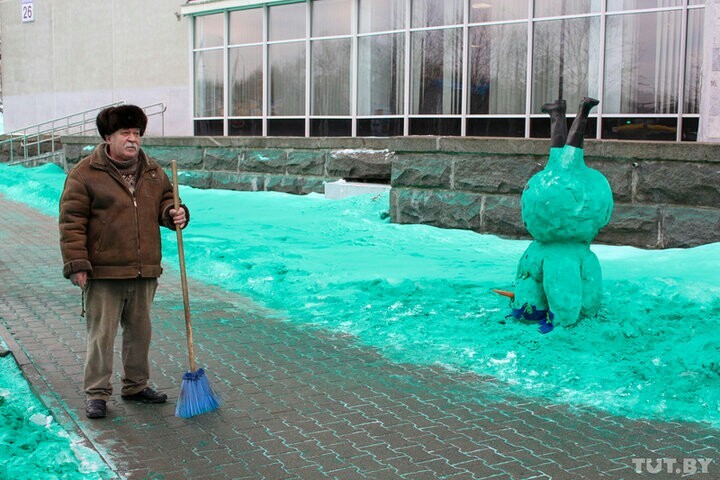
137 219
137 229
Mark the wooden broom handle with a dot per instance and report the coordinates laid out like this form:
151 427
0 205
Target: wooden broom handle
183 276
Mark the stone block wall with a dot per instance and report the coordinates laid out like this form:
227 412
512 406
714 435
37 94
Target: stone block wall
291 165
666 194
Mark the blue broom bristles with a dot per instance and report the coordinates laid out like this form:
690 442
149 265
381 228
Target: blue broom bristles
197 396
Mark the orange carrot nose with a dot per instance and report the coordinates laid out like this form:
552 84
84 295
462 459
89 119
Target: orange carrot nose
505 293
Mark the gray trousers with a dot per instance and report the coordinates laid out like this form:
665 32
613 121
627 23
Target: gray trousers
108 305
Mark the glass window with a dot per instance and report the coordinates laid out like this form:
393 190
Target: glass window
495 10
246 81
381 15
241 127
693 62
287 78
330 17
286 127
498 60
557 8
380 127
286 22
690 129
246 26
435 126
212 128
495 127
433 13
642 63
208 83
381 81
540 127
209 31
436 65
614 5
652 129
331 77
565 61
325 127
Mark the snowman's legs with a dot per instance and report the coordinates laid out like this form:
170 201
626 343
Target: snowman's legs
558 124
577 129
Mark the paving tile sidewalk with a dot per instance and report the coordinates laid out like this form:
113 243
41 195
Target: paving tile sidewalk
303 403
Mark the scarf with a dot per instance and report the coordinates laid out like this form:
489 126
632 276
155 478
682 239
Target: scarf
128 171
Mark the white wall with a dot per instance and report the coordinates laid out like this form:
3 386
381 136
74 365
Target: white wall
710 96
82 54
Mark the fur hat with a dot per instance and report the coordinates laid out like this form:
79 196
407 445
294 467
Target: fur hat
112 119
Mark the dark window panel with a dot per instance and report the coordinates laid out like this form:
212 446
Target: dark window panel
324 127
435 126
286 127
495 127
690 128
208 127
655 129
540 127
240 127
380 127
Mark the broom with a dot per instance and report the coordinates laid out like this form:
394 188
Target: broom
196 394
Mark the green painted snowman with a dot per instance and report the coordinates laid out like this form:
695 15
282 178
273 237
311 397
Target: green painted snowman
559 279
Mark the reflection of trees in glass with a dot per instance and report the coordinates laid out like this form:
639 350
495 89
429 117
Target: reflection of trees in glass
381 15
286 22
208 84
564 64
287 79
246 26
330 17
209 30
693 61
436 70
566 7
246 81
331 77
433 13
208 66
642 63
498 59
498 10
380 75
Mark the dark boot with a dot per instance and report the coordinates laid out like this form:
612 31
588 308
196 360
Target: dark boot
147 395
558 124
577 129
95 408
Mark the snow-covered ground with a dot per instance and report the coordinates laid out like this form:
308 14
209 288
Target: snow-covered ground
423 294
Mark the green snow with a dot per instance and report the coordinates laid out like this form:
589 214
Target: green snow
423 294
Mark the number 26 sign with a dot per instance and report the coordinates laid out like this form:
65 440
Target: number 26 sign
28 13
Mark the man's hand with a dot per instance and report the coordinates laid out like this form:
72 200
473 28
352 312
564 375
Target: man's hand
178 217
79 279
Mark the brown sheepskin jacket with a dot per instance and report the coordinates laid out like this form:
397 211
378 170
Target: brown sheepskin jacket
107 231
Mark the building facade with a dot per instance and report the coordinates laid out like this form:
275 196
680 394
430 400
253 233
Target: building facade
446 67
372 67
75 55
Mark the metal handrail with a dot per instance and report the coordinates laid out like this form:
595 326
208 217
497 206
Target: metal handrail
74 124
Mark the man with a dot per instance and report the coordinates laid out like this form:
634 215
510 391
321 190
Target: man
112 206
